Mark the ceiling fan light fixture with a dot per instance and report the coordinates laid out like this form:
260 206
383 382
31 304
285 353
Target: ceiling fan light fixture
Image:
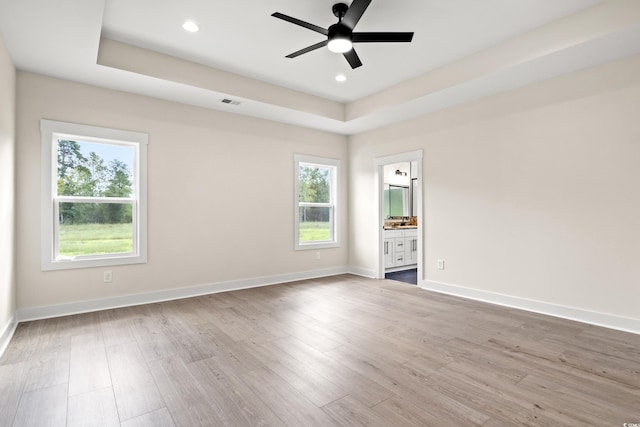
340 45
339 38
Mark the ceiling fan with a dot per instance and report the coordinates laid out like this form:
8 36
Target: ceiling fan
340 36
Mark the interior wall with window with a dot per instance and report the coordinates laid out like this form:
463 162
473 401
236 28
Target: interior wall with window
532 193
7 189
316 193
94 196
220 193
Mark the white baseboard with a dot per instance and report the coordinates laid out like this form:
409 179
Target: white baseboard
594 318
364 272
45 312
7 334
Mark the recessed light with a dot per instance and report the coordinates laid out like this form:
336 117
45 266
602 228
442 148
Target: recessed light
191 26
341 78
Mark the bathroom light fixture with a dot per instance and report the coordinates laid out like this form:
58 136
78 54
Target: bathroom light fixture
399 172
191 26
341 78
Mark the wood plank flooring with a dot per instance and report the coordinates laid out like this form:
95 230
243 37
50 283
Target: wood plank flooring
338 351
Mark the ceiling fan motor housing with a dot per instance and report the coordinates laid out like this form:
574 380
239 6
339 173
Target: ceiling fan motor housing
339 31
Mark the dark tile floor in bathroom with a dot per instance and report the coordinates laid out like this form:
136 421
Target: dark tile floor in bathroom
406 276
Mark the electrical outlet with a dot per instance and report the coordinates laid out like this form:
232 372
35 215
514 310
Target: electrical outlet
317 255
440 264
107 277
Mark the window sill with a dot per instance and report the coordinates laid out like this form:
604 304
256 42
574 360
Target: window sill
78 263
311 246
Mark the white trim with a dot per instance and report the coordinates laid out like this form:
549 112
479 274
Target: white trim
7 334
82 199
364 272
336 166
138 140
379 163
577 314
45 312
401 268
398 158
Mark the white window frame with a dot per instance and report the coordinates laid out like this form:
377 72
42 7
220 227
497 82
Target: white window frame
334 165
51 131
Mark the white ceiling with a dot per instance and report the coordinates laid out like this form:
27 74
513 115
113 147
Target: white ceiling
242 37
62 38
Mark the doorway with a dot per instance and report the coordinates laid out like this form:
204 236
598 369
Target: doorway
400 217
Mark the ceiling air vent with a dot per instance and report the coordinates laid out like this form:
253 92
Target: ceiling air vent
230 101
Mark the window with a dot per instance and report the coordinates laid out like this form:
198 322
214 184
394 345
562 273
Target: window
316 196
93 196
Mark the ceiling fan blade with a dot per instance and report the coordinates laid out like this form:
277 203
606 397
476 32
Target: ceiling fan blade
299 22
381 37
308 49
354 13
352 58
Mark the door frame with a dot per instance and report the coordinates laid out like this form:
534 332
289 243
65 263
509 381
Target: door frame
380 163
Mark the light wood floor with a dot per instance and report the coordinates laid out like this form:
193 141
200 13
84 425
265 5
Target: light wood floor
343 351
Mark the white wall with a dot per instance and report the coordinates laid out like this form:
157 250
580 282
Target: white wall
220 193
7 192
532 194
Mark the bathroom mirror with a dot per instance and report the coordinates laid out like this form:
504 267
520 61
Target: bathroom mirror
396 201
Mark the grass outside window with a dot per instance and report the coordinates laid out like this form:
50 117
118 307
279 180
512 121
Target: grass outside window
315 231
95 239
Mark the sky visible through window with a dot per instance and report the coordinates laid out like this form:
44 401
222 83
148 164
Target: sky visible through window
109 152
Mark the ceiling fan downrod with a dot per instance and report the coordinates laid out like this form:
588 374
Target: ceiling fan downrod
339 10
